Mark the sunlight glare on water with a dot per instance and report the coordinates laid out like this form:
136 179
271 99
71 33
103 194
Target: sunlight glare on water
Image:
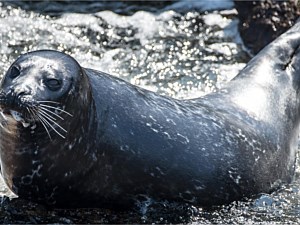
167 53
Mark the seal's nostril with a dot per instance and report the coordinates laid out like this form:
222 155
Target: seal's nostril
22 90
20 94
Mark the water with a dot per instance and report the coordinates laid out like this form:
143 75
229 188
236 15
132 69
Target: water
175 49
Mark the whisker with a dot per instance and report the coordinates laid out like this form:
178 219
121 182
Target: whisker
29 112
5 119
32 114
49 102
47 123
46 114
2 114
51 120
44 125
2 126
47 110
47 119
56 108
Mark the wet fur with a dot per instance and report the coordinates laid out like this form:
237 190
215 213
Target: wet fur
9 134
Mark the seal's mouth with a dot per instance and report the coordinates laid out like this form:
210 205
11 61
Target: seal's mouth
17 111
48 114
15 115
17 106
19 118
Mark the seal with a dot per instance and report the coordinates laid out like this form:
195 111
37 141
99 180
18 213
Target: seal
76 137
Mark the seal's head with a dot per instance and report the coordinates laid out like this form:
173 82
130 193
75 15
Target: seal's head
43 96
37 86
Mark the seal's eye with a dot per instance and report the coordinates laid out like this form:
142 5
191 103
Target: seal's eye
14 72
53 84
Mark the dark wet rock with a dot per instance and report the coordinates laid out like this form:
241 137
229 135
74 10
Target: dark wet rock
23 212
262 21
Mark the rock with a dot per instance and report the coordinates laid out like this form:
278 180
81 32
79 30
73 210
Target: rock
262 21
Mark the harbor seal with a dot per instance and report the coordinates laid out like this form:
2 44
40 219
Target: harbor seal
76 137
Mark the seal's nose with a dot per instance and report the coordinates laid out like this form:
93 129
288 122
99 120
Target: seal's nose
14 96
22 90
